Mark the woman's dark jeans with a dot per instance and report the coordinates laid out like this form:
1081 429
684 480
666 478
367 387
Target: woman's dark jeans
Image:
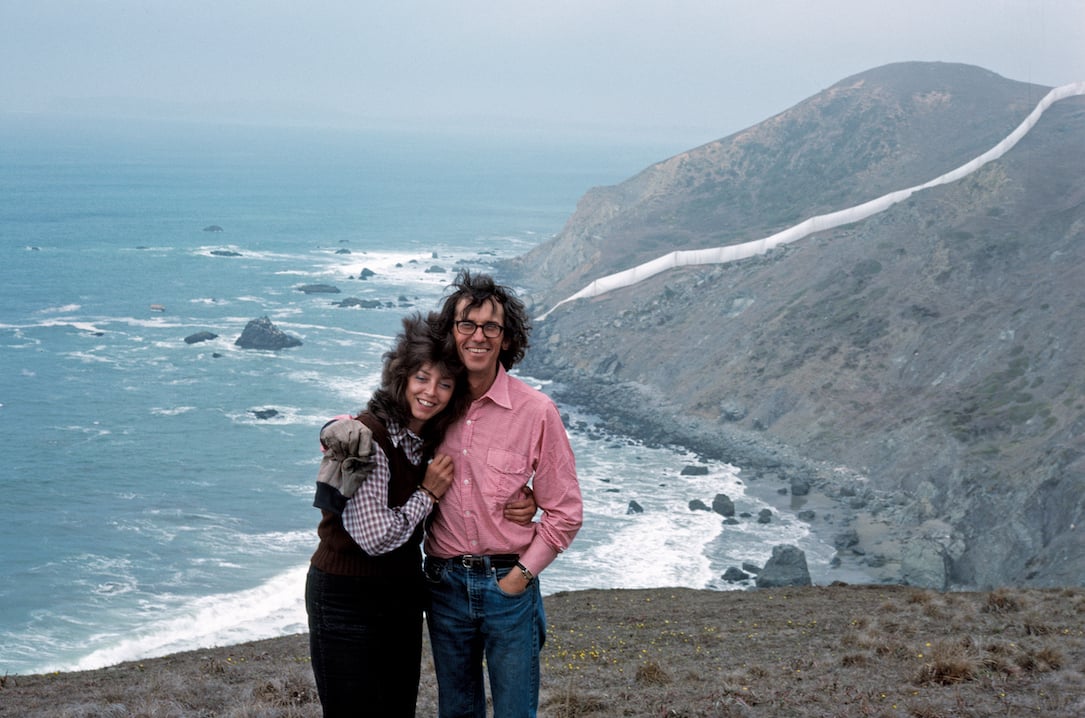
365 641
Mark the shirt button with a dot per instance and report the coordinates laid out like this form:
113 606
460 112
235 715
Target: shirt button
465 452
474 543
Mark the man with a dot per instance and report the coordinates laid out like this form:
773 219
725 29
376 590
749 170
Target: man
483 569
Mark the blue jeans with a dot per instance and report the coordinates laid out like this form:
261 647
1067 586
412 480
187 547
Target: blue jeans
365 641
470 618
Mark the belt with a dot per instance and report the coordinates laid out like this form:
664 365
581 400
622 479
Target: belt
497 560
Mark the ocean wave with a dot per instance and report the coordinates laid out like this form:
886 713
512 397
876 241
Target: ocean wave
62 309
155 322
83 326
172 410
284 312
248 253
352 393
90 431
291 542
114 588
648 550
284 416
273 608
342 382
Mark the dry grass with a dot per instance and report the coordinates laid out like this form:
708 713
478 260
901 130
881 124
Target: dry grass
824 651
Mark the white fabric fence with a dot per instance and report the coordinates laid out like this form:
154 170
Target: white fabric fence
734 252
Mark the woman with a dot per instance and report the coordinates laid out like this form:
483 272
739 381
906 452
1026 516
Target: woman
364 593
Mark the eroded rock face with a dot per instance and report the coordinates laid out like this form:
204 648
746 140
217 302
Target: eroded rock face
924 564
262 334
924 355
787 567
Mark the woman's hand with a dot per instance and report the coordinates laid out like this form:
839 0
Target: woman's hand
439 476
522 510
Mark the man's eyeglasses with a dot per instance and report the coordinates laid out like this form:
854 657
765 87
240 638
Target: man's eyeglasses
490 330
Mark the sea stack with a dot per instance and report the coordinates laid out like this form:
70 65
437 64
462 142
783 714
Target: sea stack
262 334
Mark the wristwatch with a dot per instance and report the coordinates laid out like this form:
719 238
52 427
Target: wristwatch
527 573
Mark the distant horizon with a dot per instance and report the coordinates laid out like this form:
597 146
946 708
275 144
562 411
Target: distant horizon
689 70
141 110
296 115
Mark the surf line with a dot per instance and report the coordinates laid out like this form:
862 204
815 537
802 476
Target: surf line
819 223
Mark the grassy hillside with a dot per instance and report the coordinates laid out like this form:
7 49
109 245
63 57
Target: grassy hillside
836 651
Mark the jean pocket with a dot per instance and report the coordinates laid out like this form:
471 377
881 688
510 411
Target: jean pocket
499 574
434 569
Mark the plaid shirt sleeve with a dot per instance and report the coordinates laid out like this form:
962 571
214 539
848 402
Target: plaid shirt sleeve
371 523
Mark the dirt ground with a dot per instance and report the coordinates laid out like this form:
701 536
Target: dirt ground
814 651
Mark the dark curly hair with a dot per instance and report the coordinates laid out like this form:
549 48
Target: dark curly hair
479 289
419 343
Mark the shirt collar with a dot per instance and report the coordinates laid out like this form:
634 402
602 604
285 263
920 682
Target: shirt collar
498 392
398 434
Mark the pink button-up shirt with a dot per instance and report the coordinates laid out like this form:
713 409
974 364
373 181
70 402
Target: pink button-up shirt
509 437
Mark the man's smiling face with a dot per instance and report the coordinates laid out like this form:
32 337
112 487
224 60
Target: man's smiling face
478 352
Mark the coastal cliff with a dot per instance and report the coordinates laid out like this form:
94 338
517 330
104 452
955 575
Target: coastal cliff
923 366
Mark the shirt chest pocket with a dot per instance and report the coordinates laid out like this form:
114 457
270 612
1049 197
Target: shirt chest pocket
508 472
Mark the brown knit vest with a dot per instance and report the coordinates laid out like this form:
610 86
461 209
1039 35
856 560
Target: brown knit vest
339 554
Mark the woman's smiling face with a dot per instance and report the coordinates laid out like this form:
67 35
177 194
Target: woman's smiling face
428 392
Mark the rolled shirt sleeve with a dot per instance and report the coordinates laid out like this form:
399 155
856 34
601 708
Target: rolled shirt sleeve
373 525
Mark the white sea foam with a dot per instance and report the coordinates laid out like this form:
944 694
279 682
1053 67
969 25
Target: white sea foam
273 608
87 430
290 542
353 393
63 309
156 322
285 416
280 313
82 326
172 411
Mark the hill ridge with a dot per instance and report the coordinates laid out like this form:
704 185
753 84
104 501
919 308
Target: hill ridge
921 363
818 223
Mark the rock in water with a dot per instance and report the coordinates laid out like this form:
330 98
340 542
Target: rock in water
723 505
787 567
262 334
200 337
319 289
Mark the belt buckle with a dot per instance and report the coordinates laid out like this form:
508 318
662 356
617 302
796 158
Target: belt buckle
469 561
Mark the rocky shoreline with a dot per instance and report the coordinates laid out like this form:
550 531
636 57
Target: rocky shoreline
868 528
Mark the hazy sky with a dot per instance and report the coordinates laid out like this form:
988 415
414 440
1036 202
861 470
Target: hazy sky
702 68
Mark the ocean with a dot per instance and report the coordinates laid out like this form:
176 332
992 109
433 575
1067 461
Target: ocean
146 507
